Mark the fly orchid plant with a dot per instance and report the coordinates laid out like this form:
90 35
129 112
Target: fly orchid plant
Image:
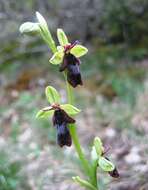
67 56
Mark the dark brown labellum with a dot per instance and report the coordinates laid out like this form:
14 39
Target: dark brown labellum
63 135
74 75
71 63
60 120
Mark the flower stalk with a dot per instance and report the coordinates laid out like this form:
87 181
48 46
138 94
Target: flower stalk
91 173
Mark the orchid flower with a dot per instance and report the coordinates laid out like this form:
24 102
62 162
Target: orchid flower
68 55
61 116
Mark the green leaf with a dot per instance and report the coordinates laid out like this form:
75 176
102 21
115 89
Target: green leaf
57 58
62 38
106 165
98 146
84 183
29 28
52 95
44 114
78 50
69 109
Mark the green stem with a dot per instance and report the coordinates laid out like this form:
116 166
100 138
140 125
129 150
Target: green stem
94 174
72 127
69 92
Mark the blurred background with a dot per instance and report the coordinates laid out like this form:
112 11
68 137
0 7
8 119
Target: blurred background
114 98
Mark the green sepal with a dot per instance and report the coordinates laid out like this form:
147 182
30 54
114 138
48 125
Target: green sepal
57 58
45 32
94 155
44 114
29 28
62 38
98 146
83 183
42 22
105 164
94 159
52 95
78 50
69 109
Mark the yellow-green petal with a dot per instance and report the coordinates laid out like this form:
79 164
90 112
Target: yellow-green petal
105 164
57 58
44 114
78 50
69 109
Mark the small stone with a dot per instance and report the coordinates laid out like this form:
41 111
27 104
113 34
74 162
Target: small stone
133 158
14 93
110 132
25 136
